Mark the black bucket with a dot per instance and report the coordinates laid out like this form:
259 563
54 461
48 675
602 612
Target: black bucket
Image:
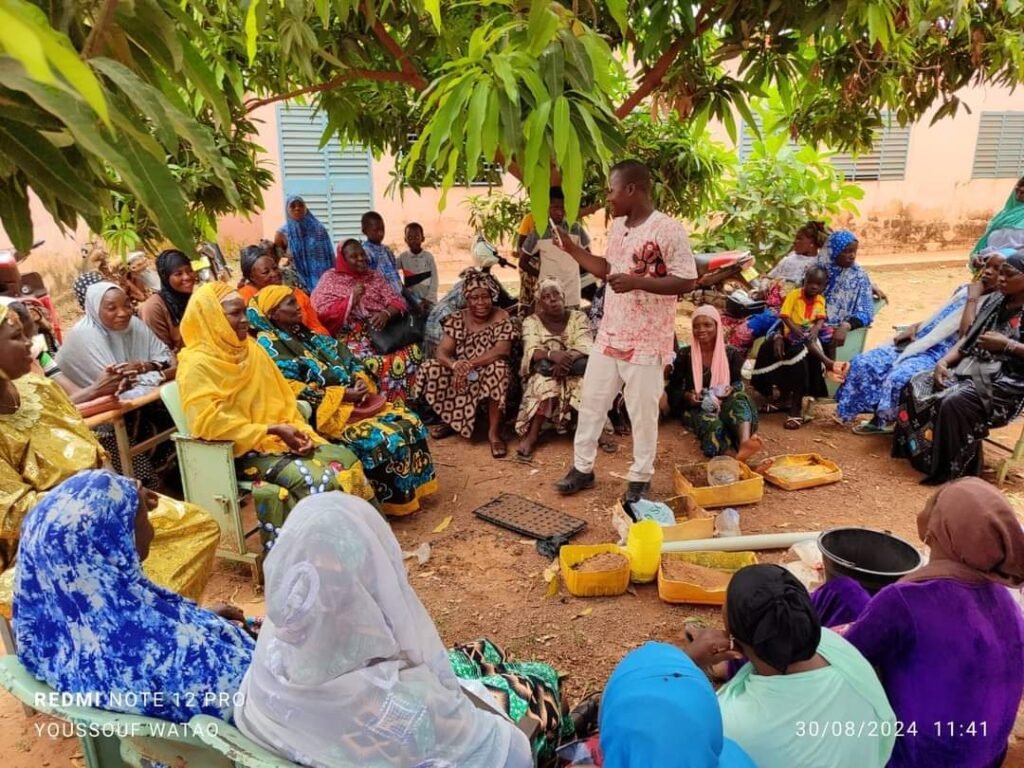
873 558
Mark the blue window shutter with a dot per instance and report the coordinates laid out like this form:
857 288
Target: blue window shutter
336 182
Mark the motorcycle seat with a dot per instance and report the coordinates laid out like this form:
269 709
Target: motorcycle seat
709 261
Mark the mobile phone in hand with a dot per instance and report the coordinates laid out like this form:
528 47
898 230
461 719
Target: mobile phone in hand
556 234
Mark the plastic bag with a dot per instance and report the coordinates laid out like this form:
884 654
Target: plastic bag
727 523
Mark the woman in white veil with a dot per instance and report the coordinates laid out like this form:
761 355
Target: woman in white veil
349 669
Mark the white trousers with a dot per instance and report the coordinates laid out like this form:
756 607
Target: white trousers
603 380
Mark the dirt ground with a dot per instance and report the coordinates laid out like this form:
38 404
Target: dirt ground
482 581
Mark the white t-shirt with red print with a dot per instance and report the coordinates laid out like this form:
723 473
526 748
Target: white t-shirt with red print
639 326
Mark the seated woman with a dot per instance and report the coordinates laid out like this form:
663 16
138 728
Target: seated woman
352 299
658 709
390 441
260 269
705 391
110 339
90 622
876 378
44 441
231 390
556 343
471 367
799 680
1006 228
808 251
162 311
349 669
978 385
960 688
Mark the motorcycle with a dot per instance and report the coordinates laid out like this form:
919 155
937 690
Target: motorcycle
36 296
721 274
210 264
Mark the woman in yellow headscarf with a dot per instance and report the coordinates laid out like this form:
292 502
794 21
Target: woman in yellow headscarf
44 441
231 390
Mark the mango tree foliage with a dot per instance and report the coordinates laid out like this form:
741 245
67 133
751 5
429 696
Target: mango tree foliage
544 89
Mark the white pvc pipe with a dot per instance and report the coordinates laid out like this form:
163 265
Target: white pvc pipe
740 543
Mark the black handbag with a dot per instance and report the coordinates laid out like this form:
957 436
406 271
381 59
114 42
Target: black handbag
401 331
547 368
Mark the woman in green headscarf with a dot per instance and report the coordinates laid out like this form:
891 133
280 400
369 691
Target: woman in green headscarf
390 441
1006 229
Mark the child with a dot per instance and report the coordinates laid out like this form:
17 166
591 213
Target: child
379 255
418 267
803 315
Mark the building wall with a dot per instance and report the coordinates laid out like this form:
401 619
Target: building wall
936 206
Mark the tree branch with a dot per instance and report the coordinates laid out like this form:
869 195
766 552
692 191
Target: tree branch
416 80
654 76
99 28
348 76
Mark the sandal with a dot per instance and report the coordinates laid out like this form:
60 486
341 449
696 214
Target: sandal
794 422
870 428
769 408
584 715
440 431
521 456
498 449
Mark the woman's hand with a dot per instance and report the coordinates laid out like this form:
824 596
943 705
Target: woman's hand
728 392
941 374
840 334
708 647
357 392
975 290
991 341
357 292
692 397
109 383
461 369
907 334
379 319
298 441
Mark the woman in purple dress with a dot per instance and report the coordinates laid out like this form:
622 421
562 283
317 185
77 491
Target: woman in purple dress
947 640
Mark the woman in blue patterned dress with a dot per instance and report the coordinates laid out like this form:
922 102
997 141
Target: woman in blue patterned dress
88 621
390 440
876 378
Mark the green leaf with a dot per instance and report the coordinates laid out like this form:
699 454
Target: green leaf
159 192
474 125
729 122
433 7
617 8
536 135
489 133
197 71
147 99
15 214
540 188
251 30
22 42
562 127
45 165
572 177
542 26
552 65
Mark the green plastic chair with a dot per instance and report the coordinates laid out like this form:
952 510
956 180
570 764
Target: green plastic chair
112 739
231 742
209 481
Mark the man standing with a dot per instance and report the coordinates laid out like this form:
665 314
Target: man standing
530 248
649 264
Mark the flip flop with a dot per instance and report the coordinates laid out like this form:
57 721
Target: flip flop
499 450
870 428
520 456
440 431
794 422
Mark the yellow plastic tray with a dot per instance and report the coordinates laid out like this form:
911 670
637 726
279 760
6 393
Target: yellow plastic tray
821 471
597 584
671 591
692 521
749 489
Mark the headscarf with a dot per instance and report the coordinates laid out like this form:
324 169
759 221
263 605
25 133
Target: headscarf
309 243
1010 217
549 284
88 620
848 294
332 297
248 259
166 263
720 374
770 611
479 279
975 529
349 668
90 346
82 283
270 297
230 388
658 709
